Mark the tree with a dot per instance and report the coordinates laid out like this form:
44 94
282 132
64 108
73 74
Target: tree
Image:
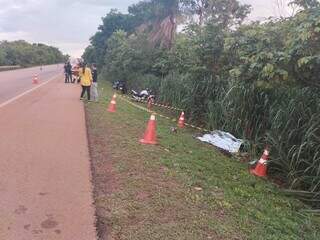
306 4
195 7
25 54
226 13
303 47
159 19
111 23
89 54
2 57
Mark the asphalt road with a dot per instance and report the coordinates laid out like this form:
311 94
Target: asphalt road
18 81
45 177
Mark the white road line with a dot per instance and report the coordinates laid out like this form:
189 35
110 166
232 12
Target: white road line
27 92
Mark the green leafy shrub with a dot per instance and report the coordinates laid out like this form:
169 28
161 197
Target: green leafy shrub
259 81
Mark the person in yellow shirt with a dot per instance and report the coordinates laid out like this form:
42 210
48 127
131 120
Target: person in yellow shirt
85 80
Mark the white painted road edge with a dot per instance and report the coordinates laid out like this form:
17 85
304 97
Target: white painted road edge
27 92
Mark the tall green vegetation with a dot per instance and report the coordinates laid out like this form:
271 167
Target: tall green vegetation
113 22
25 54
259 81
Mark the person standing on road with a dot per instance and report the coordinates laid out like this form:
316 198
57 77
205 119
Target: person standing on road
94 87
65 67
85 80
69 72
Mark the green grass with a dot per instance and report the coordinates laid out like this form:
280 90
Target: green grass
150 192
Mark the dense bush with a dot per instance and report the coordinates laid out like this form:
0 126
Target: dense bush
259 81
25 54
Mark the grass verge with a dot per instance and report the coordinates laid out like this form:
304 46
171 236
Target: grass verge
181 188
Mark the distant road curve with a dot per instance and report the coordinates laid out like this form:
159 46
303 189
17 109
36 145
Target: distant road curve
16 82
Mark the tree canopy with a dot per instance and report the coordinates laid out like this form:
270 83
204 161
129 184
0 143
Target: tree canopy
111 23
26 54
306 4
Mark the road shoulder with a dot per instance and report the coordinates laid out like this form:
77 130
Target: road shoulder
45 187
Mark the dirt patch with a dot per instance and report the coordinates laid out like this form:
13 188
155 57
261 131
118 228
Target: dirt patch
48 224
103 178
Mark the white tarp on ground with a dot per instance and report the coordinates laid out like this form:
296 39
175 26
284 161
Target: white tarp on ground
223 140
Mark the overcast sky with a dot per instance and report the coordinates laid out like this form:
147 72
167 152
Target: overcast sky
68 24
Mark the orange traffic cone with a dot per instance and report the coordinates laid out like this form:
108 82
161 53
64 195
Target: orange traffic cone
181 121
112 105
150 135
261 169
35 79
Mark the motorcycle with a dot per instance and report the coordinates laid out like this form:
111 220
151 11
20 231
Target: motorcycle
115 85
144 95
120 86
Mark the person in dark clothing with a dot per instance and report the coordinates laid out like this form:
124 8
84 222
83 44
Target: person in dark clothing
69 72
66 79
94 86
